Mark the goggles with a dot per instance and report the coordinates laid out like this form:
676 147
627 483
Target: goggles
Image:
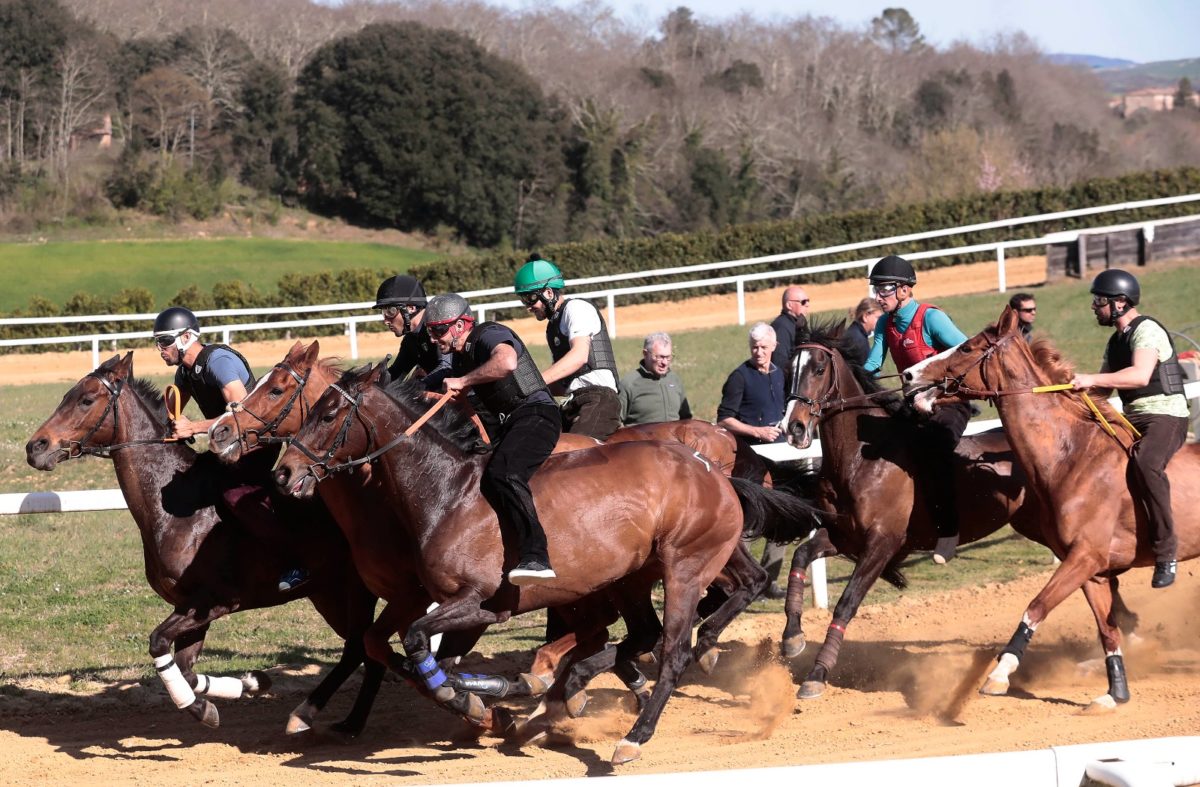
165 340
886 290
529 298
439 329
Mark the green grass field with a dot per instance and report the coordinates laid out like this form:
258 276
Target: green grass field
74 600
58 271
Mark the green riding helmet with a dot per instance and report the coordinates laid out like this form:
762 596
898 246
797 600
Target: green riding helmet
536 275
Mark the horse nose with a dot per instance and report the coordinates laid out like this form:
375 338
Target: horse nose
35 447
283 477
219 434
908 377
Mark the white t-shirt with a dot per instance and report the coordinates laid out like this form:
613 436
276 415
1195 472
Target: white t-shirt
580 318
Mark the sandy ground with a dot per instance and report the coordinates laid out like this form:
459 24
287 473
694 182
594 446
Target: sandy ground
638 320
906 687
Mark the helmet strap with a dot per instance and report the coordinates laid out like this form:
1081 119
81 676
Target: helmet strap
185 340
404 313
551 302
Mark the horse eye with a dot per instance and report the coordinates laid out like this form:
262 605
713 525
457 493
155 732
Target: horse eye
87 402
327 418
276 392
964 349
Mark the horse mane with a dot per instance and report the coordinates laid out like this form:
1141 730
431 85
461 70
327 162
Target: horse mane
831 334
151 395
451 422
1056 366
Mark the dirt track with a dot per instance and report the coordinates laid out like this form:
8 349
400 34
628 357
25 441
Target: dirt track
905 688
22 369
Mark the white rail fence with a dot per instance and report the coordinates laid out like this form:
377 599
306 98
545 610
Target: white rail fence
486 300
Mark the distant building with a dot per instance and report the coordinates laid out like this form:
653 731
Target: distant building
1151 99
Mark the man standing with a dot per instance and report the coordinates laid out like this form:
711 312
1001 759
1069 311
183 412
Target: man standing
1026 308
491 359
792 319
752 405
912 332
584 367
652 393
1141 364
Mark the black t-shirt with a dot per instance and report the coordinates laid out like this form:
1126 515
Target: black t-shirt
417 349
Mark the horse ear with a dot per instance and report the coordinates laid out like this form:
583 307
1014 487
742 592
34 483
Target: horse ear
1007 322
124 367
311 353
378 374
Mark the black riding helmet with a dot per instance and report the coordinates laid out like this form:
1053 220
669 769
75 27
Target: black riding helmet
1114 282
176 319
892 269
400 290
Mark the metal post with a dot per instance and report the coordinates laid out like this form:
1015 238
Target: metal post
741 299
352 329
612 317
1000 263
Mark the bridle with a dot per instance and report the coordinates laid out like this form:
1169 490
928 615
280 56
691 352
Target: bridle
265 434
77 449
829 400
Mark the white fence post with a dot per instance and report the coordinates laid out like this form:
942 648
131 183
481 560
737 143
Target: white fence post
1000 263
225 336
352 329
612 316
819 586
741 299
96 353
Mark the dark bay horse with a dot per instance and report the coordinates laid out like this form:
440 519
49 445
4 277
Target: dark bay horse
198 562
619 518
869 467
1076 469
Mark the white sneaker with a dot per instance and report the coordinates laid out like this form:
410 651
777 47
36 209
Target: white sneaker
529 572
945 549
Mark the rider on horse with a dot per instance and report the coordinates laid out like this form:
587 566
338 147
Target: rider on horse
912 332
1141 364
584 365
216 376
492 360
403 296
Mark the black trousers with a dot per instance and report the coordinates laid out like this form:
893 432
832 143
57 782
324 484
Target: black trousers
594 411
937 439
527 437
1146 474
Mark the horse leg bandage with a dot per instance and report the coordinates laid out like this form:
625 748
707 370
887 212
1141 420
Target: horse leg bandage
177 685
1020 639
219 688
431 673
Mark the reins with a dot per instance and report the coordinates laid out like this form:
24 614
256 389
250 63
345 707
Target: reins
77 449
817 407
264 435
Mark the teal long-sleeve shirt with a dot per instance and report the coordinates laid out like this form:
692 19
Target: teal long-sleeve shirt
939 332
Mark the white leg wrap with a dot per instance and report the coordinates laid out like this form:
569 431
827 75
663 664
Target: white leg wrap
1007 666
177 686
219 688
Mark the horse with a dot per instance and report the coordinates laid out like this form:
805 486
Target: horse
679 523
197 560
1076 469
868 476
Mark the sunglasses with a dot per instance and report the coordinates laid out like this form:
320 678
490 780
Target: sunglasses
529 298
803 302
1030 310
440 329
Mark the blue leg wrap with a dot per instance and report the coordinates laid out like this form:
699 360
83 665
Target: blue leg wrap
431 673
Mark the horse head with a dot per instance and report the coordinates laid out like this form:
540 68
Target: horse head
974 369
334 435
814 385
274 409
86 418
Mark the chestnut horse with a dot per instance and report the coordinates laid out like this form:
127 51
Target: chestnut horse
1076 469
202 564
869 467
619 518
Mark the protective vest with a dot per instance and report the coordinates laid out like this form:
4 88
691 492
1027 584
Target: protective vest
762 396
600 354
1167 377
909 348
201 387
510 392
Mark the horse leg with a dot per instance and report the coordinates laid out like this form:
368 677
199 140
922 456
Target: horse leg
879 553
682 594
182 690
1098 592
566 695
814 548
749 578
1080 564
187 650
1122 616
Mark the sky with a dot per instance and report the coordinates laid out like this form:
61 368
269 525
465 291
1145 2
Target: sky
1137 30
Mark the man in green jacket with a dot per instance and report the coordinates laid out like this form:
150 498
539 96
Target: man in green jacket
652 393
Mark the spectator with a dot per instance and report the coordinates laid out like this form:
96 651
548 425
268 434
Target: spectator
862 326
752 404
1026 310
792 320
652 393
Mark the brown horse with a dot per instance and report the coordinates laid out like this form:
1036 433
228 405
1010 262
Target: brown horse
1076 469
197 561
679 523
869 467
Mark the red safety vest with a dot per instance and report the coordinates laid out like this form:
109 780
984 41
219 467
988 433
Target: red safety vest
909 348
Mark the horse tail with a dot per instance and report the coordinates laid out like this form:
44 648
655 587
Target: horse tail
774 515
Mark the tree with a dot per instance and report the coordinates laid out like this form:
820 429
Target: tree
896 31
166 107
413 127
1185 96
32 34
264 138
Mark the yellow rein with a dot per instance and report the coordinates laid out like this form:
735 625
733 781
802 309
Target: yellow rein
1092 406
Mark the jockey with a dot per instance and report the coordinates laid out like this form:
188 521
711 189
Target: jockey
492 360
1141 364
584 367
912 332
403 297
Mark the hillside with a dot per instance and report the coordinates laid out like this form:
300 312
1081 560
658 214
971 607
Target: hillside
1163 73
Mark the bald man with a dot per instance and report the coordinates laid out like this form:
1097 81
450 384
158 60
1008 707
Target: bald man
792 319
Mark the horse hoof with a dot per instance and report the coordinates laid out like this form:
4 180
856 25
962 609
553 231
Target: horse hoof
811 689
994 688
626 752
536 684
708 661
346 729
256 682
792 646
206 713
576 703
1100 706
301 719
504 723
